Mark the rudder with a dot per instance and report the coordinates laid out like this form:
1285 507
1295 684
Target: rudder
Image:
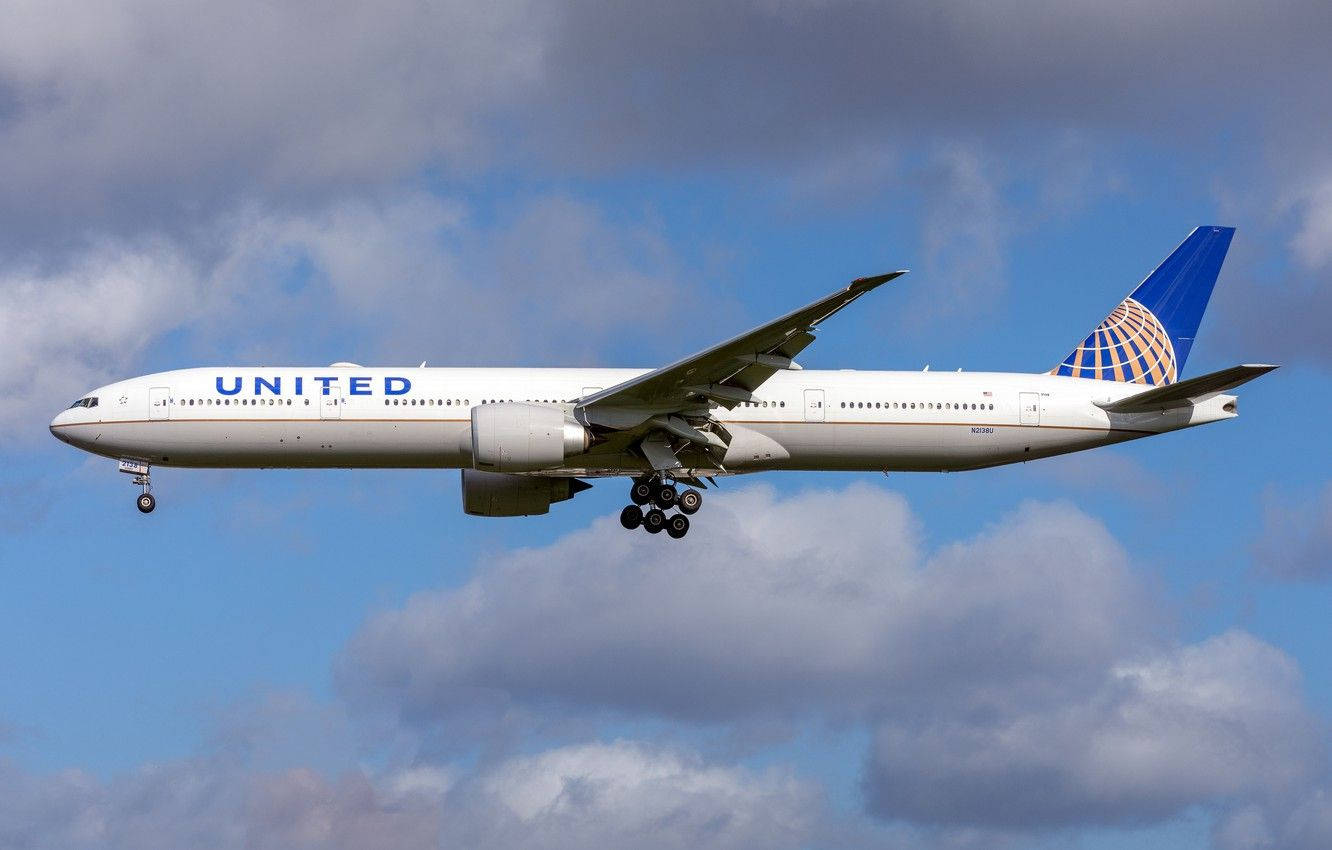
1148 336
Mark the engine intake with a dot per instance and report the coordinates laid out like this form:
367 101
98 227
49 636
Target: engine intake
517 437
502 494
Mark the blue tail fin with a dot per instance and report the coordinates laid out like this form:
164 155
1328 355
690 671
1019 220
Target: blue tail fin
1147 338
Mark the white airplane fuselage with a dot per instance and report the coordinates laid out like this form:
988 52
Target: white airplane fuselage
421 417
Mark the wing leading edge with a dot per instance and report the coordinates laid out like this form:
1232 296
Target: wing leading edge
729 372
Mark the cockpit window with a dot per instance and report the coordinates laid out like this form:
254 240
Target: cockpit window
90 401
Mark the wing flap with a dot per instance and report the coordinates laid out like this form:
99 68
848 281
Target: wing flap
1184 393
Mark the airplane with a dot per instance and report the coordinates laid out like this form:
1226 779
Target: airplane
526 438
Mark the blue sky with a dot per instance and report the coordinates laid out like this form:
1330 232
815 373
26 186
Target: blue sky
1120 646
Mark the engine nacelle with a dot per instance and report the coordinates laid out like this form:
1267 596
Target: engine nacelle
517 437
502 494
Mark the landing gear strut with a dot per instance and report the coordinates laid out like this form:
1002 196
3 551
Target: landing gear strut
658 495
142 477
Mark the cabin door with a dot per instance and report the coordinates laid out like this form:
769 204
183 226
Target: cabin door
330 405
814 406
1030 406
159 403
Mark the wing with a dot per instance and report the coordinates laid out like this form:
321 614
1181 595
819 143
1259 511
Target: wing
728 373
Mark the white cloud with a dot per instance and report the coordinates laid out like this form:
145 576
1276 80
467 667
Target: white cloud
963 232
605 795
401 280
630 794
1312 243
64 330
213 803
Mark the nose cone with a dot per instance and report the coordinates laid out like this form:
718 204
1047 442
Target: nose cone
64 417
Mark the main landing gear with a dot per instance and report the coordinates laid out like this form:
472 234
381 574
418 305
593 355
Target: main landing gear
658 495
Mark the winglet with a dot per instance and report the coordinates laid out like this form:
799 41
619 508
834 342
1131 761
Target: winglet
863 284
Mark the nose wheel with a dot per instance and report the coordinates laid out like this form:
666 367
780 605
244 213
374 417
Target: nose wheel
142 477
654 498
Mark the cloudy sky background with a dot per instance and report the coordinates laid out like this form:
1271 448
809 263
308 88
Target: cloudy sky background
1125 646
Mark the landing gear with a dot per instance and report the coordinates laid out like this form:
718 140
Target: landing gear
631 517
654 521
653 496
640 493
690 501
143 477
664 495
677 526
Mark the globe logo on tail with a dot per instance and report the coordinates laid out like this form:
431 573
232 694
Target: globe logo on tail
1130 346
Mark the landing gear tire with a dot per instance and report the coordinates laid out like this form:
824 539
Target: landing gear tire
146 503
690 501
677 526
640 492
664 495
654 521
631 517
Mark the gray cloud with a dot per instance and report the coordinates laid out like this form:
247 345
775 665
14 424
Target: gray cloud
152 117
1295 543
156 106
762 610
778 79
1018 680
154 110
1215 721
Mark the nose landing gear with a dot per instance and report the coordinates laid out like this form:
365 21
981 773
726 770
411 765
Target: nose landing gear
660 495
143 477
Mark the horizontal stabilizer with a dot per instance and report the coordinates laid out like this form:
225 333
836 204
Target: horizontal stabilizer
1184 393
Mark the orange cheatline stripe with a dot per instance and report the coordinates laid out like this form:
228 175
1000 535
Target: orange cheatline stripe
735 421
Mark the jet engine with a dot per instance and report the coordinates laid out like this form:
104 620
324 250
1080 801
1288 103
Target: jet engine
517 437
502 494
